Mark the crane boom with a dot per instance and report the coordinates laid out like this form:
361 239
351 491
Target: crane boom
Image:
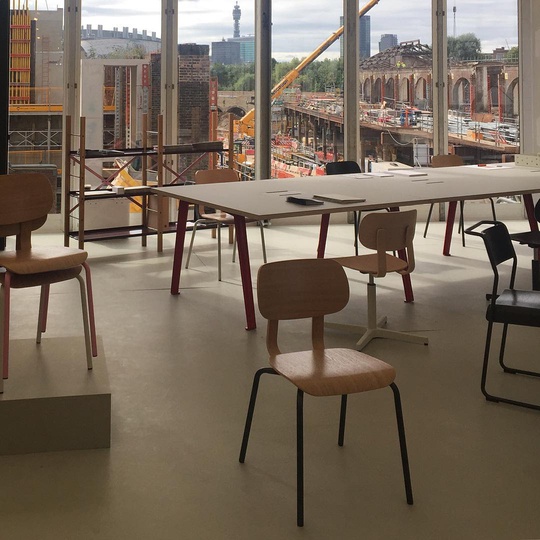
246 123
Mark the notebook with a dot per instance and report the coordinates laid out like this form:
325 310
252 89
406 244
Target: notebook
303 200
337 198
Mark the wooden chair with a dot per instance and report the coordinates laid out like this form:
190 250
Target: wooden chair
511 306
313 288
382 232
217 217
25 200
452 160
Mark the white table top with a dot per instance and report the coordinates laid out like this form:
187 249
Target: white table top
266 199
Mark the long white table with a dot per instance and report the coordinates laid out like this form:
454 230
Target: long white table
266 199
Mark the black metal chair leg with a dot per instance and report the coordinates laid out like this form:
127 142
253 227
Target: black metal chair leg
501 350
509 369
462 222
356 217
402 444
428 218
483 379
491 397
300 458
493 209
342 416
251 409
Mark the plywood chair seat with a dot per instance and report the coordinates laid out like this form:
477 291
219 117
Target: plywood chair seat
333 372
25 200
222 217
22 281
370 263
37 260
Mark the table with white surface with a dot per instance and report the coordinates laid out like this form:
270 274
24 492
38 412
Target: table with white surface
266 199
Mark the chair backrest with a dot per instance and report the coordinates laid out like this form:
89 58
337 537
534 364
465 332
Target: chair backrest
389 231
214 176
499 246
342 167
25 200
448 160
300 289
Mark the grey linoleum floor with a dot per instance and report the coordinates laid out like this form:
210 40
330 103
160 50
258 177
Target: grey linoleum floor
180 371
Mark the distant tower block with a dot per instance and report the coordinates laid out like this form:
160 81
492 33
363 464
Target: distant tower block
236 16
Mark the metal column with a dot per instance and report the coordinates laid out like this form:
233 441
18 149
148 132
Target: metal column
440 77
4 90
529 75
263 88
351 93
4 84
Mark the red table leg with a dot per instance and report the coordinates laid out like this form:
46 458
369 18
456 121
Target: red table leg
449 226
323 234
179 246
529 208
245 271
407 284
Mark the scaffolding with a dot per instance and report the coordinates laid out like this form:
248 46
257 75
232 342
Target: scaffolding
20 56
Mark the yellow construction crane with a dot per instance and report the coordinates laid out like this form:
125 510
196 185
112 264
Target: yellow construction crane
246 124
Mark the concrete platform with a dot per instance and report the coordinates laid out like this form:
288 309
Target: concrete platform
51 401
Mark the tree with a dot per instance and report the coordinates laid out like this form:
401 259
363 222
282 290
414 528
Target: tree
464 47
512 55
131 50
245 83
314 78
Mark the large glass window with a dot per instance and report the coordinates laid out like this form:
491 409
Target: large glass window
121 65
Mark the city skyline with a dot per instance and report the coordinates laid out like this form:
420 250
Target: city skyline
300 26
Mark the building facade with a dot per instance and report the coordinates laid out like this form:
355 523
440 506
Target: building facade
226 52
387 42
364 37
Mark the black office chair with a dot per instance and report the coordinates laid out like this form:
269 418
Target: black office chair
532 239
511 306
347 167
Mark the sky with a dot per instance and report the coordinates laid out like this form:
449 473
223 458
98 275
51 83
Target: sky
300 26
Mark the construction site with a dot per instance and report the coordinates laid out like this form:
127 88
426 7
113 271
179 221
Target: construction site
120 104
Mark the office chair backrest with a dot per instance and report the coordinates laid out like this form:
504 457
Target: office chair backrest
389 231
25 200
300 289
449 160
498 244
342 167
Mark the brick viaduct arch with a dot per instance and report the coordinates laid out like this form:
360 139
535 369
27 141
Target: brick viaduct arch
473 87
